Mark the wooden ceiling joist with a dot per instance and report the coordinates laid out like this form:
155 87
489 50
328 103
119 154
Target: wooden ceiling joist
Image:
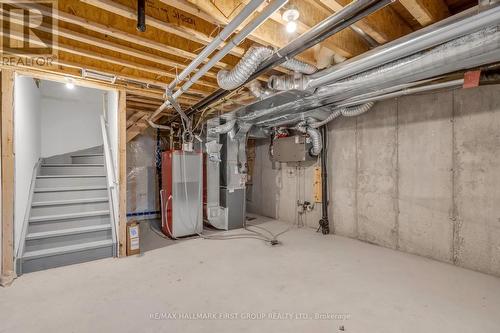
272 32
109 30
102 57
103 44
121 62
61 75
426 11
383 26
181 31
100 36
111 60
184 32
134 118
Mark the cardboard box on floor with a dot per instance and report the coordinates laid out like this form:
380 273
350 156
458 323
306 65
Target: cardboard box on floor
133 238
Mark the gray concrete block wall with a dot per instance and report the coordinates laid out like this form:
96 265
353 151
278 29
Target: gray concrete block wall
377 177
420 174
425 170
477 179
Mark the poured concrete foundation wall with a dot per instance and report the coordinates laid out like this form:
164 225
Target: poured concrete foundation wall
420 174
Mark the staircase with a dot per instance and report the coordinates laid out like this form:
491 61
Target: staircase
69 220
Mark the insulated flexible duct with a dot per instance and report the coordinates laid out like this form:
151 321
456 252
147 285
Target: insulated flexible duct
315 136
222 129
466 52
255 55
335 114
258 91
356 110
296 81
313 133
299 66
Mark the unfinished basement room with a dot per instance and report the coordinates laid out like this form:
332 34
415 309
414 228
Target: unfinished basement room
250 166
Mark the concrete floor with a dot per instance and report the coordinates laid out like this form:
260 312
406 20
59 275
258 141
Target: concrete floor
378 290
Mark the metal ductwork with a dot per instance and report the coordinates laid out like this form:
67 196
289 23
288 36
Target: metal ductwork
258 91
222 129
247 66
315 136
357 110
344 18
299 66
296 81
346 112
476 49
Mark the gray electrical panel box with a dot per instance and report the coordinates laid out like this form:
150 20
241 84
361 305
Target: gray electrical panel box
292 149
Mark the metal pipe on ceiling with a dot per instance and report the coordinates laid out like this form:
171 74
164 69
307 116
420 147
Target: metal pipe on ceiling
235 41
141 15
228 30
426 38
404 92
344 18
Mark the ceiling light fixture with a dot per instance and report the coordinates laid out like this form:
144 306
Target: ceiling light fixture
291 26
70 85
291 15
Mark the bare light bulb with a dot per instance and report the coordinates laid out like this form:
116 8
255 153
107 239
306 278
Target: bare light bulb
70 86
291 26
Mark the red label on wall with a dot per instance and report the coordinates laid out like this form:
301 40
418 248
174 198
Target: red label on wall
471 79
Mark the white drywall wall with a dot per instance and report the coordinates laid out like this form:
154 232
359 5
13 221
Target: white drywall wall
70 118
27 136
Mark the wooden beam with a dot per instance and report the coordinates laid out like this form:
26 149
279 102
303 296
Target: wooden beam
339 43
137 128
122 172
81 66
181 31
134 118
61 76
184 32
192 9
426 11
7 145
383 26
76 36
272 32
105 58
109 30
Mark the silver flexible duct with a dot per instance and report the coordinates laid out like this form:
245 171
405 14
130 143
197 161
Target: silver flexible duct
296 81
466 52
335 114
299 66
250 62
222 129
258 91
315 136
356 110
246 66
346 112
